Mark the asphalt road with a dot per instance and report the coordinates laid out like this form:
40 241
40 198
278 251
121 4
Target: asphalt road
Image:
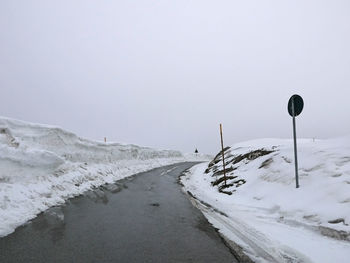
145 218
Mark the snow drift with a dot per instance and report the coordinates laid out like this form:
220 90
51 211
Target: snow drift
42 166
311 223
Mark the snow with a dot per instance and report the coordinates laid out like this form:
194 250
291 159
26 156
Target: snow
268 216
42 166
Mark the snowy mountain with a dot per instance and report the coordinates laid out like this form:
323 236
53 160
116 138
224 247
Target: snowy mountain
42 166
260 208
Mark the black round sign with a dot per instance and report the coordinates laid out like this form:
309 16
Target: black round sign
298 105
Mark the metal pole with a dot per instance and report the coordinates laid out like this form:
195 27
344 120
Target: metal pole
295 148
223 155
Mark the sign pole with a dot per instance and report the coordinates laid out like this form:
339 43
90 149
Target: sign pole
295 147
295 107
223 155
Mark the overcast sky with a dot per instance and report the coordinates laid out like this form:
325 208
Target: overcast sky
166 73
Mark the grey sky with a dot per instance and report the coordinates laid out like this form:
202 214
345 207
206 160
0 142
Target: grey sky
166 73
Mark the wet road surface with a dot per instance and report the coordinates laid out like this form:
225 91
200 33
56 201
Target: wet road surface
145 218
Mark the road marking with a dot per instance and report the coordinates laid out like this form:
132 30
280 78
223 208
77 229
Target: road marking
168 171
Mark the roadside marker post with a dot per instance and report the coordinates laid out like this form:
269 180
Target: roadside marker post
295 107
223 155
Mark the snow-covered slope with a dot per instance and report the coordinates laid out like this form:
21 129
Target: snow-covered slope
265 213
42 166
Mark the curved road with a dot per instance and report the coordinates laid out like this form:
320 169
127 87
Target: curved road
145 218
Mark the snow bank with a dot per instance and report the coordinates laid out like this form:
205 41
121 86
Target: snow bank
41 166
265 213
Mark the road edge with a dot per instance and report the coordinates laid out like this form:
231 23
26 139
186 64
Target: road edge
236 250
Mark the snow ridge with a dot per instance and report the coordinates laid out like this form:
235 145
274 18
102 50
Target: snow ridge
42 166
311 223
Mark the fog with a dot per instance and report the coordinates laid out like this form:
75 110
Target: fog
165 74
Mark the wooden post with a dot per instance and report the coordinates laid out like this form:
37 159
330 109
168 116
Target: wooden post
223 154
105 139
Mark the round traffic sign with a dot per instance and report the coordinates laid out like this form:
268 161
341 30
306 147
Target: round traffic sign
297 103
